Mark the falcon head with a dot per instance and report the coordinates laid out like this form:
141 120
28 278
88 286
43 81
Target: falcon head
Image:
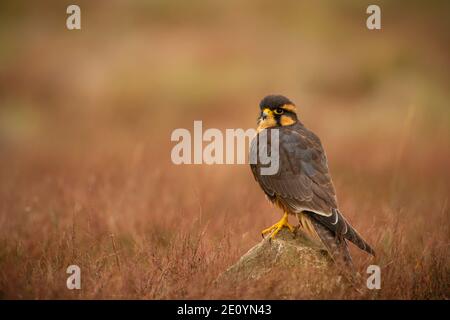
276 110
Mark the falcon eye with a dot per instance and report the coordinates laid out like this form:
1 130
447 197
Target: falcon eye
278 111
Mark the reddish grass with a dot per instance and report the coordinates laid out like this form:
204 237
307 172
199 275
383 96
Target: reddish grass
175 228
85 123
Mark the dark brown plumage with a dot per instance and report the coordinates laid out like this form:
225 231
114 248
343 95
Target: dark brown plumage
303 186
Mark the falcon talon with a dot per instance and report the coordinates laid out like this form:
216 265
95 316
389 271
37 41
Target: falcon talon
283 223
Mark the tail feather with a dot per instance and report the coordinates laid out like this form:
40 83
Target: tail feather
336 246
339 227
354 237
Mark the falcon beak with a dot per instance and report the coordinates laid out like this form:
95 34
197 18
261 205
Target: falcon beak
266 113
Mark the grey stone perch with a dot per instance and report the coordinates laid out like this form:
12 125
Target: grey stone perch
290 253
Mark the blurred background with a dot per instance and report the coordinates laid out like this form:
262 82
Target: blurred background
86 117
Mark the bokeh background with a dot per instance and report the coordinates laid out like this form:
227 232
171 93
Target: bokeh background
86 116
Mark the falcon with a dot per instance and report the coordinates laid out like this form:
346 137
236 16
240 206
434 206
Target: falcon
302 185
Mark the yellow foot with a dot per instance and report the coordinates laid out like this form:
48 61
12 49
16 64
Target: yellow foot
278 226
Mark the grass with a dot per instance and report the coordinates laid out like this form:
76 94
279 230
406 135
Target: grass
140 230
85 170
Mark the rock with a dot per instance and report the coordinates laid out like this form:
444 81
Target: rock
288 253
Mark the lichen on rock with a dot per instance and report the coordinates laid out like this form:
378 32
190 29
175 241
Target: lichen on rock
291 253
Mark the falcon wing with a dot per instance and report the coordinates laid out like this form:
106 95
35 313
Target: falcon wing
303 182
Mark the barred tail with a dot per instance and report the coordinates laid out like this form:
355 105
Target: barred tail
336 246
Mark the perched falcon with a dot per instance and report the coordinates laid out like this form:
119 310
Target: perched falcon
302 185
